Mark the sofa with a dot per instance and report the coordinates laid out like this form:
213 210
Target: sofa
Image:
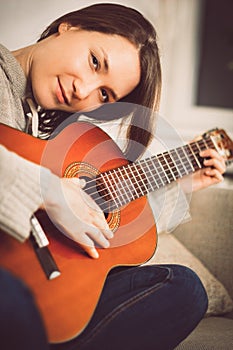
205 244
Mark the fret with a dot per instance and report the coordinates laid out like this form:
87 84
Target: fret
130 185
160 171
176 160
197 149
142 175
171 165
152 177
179 162
205 143
123 181
184 159
166 168
129 182
108 185
121 189
114 183
156 175
138 187
210 143
195 155
193 159
201 145
188 164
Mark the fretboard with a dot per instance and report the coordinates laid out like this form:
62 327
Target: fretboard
117 187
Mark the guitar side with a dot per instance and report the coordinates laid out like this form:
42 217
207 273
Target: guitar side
68 302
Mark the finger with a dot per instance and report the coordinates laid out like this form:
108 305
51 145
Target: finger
215 159
80 182
211 153
91 251
88 246
214 174
101 223
217 164
107 233
96 235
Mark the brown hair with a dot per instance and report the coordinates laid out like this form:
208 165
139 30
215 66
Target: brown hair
129 23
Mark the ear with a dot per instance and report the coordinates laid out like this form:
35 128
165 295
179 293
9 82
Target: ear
63 27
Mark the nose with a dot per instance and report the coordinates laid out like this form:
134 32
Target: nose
83 89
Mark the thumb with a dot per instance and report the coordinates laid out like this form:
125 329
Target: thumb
80 182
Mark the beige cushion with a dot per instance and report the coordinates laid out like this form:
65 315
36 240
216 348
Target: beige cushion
171 251
213 333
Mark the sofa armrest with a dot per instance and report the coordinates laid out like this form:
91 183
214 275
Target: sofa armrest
209 235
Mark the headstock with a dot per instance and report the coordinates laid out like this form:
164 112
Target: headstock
222 143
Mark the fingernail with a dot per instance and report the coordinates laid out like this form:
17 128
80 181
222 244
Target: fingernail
82 183
106 244
95 254
110 233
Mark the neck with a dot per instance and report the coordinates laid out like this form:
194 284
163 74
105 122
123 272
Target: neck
117 187
24 57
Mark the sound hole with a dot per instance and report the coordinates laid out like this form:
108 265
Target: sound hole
96 189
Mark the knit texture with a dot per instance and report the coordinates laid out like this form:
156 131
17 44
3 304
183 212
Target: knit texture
20 193
19 179
12 89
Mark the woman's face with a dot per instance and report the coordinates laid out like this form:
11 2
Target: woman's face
77 70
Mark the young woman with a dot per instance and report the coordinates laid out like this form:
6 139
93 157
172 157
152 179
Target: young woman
102 54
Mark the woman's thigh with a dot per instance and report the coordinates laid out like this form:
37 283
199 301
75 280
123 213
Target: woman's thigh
21 326
149 307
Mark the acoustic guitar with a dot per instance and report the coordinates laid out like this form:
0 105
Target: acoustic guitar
119 187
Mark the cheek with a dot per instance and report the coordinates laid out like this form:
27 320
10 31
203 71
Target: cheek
89 104
43 89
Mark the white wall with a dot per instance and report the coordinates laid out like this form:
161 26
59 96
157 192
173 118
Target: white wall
22 21
179 30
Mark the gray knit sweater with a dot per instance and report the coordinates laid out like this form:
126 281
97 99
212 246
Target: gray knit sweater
20 185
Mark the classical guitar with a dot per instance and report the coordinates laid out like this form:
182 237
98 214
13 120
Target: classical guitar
119 188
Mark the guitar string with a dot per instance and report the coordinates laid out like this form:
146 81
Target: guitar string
172 165
200 145
132 196
141 180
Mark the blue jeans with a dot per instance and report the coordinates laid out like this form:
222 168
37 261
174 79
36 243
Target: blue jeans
149 307
21 327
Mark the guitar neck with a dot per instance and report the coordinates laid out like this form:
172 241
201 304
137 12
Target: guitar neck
117 187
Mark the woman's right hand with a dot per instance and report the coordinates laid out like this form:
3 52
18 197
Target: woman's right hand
76 214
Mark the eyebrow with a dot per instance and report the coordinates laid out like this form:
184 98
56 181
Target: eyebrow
106 69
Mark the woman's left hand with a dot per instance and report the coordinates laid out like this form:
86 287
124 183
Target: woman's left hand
214 167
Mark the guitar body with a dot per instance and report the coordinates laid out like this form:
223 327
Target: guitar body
68 301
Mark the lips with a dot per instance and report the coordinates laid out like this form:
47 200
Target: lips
61 95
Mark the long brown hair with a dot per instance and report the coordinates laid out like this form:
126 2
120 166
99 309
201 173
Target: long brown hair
129 23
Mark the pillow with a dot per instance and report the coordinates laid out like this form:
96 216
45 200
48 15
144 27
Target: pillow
171 251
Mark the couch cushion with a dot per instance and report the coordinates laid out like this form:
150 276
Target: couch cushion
170 250
209 234
213 333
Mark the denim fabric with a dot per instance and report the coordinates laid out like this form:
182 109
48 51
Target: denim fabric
21 327
143 308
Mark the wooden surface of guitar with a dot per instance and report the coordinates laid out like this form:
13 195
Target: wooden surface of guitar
68 301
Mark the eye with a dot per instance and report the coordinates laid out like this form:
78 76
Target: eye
95 62
104 95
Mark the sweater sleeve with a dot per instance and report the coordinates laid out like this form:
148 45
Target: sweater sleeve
20 191
170 206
